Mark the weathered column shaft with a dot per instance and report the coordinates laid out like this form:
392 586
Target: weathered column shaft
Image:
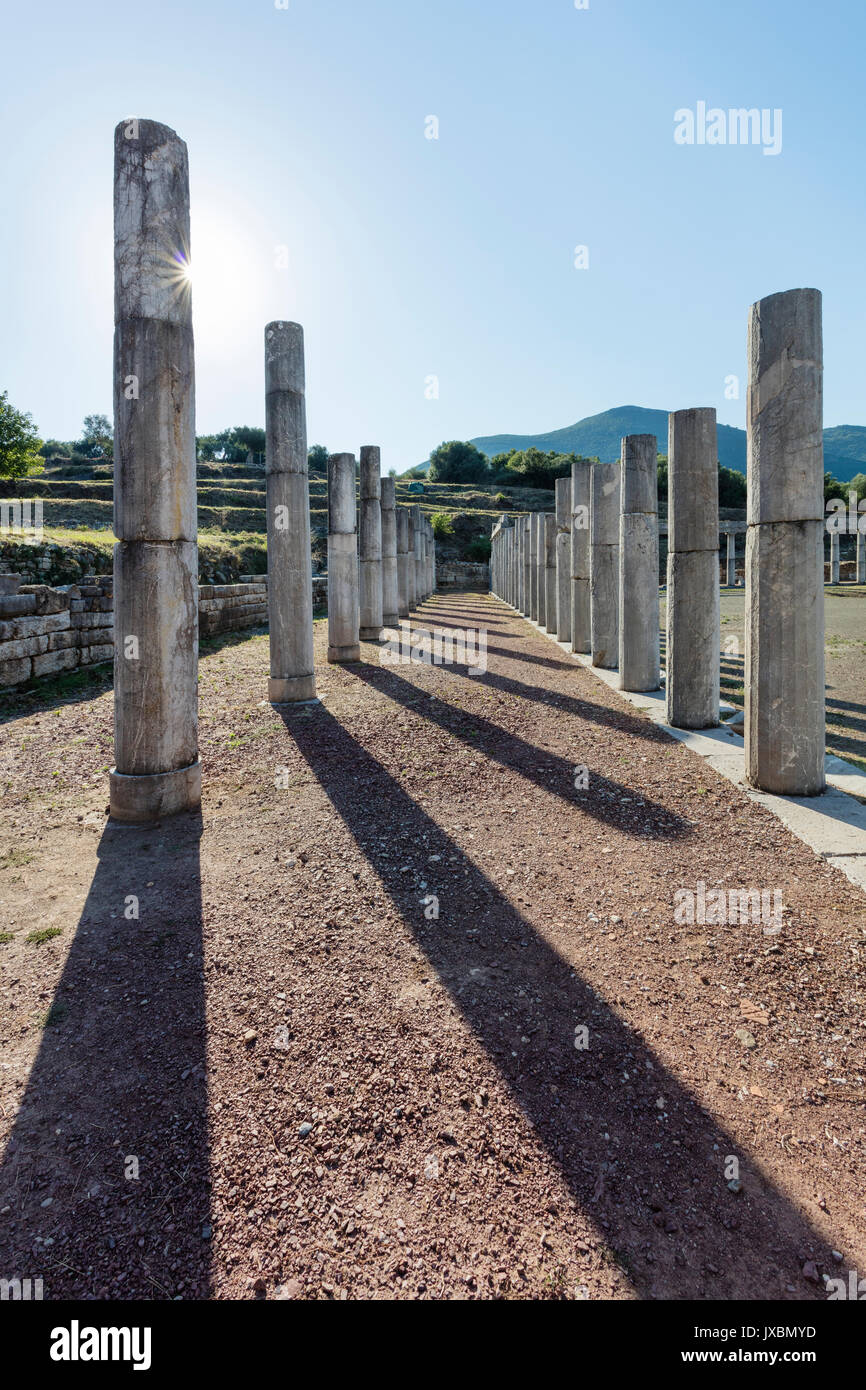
411 571
290 583
834 557
533 568
541 562
156 771
604 564
403 542
344 605
563 559
692 619
390 595
581 498
732 548
861 557
784 721
550 571
639 564
370 543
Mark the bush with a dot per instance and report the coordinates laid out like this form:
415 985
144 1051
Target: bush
479 550
443 525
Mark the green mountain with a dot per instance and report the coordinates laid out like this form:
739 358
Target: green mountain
599 436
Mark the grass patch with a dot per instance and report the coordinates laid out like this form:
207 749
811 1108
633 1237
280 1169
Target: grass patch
43 934
15 859
6 936
53 1016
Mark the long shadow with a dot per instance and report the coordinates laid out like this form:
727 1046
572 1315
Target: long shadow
648 1175
106 1172
539 766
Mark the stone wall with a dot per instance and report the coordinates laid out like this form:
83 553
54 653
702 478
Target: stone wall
462 574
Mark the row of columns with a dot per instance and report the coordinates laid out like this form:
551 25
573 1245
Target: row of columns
588 573
377 571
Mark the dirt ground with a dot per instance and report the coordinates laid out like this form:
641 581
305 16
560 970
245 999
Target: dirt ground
287 1077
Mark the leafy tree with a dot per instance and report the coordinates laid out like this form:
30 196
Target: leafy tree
249 438
19 442
458 461
479 550
317 458
732 487
833 488
539 469
858 485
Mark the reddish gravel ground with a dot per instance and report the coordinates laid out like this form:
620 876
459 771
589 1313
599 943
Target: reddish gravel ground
287 1078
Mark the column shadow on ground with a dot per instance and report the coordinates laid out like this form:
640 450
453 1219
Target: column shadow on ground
539 766
117 1079
650 1179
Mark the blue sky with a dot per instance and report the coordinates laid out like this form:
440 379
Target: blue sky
410 258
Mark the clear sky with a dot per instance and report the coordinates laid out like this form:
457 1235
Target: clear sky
409 257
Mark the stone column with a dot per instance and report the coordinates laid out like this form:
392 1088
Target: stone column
541 561
693 632
732 547
550 572
411 576
524 565
834 557
533 569
344 606
402 514
784 721
563 559
604 565
639 564
156 771
370 549
290 584
419 554
390 595
861 557
581 488
432 560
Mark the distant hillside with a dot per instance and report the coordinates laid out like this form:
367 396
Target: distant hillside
600 436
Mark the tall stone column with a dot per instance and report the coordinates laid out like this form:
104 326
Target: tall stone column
731 550
533 569
290 583
419 554
370 549
411 575
390 595
834 557
344 605
432 560
524 566
550 571
639 564
861 557
541 560
604 565
563 559
157 771
692 621
785 547
402 514
581 500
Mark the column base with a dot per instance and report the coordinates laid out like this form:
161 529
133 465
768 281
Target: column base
390 620
370 634
138 799
292 689
336 654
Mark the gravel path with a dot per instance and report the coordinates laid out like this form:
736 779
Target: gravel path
288 1077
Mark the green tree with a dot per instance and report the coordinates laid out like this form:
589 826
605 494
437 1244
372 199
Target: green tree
458 461
19 442
833 488
97 436
732 487
317 458
443 525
